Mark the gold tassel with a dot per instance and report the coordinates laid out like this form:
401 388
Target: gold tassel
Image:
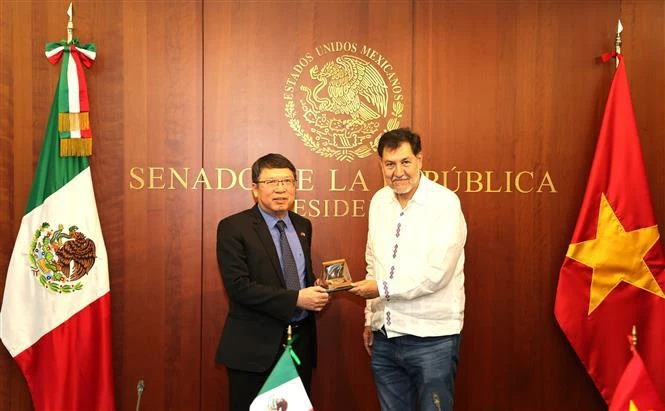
84 119
73 121
75 147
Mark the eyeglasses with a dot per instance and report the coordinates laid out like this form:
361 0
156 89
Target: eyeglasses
274 182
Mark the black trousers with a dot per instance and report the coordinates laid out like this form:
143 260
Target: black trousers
244 386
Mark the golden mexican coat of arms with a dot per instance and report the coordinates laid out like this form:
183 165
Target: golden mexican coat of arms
340 106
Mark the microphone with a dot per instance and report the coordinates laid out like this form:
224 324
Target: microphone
436 401
139 391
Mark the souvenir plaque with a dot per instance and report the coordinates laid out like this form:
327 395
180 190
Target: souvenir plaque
336 275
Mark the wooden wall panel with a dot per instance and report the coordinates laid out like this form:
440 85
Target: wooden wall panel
491 86
161 285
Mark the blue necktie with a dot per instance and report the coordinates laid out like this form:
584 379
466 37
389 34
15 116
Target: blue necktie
290 268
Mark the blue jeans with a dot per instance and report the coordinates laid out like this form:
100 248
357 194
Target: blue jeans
415 373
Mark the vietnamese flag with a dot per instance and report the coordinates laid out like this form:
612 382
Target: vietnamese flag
613 275
56 310
635 390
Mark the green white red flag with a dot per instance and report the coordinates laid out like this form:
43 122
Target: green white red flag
283 389
55 319
73 105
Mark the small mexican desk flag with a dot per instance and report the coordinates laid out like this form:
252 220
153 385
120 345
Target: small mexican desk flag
283 388
56 311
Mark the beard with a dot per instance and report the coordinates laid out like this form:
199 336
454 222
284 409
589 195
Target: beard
404 188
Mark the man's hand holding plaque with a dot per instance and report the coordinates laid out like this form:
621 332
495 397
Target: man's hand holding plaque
336 276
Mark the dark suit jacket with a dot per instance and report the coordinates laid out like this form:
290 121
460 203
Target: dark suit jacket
260 306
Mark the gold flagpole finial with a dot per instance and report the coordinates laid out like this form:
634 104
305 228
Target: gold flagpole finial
617 40
289 334
70 23
634 337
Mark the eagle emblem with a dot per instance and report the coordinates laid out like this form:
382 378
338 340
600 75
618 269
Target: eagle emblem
59 258
278 404
343 107
354 87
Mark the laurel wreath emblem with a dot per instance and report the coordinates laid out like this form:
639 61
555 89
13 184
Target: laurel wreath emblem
342 109
322 148
43 260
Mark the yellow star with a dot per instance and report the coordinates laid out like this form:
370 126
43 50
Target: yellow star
616 255
633 407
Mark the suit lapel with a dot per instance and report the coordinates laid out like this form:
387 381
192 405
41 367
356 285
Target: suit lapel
262 232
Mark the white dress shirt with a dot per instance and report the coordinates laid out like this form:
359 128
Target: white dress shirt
416 256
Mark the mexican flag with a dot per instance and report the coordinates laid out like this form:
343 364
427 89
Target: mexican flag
56 311
283 389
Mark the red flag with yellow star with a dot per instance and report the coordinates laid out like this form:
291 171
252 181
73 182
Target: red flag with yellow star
613 275
635 391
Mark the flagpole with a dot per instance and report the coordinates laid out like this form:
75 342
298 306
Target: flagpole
633 339
617 41
70 23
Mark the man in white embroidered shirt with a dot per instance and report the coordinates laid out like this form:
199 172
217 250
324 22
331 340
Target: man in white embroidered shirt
415 281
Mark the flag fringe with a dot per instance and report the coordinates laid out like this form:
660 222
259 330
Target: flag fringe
75 147
73 121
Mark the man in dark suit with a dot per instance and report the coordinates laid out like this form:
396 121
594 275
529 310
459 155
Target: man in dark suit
265 260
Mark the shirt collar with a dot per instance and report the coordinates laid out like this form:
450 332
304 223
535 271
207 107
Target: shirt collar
271 220
422 191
